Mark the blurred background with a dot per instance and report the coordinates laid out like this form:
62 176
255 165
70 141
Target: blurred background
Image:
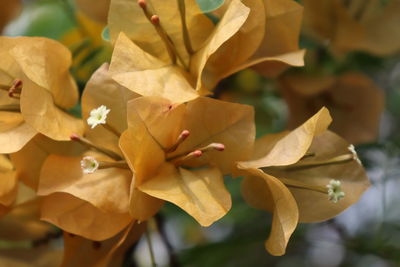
356 75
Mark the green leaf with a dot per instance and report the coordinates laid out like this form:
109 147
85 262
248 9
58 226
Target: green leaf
209 5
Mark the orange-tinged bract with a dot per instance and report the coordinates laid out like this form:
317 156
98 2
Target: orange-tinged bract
289 174
94 205
189 174
81 252
37 89
182 60
354 100
357 25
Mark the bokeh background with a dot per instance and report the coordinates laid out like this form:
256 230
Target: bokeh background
367 234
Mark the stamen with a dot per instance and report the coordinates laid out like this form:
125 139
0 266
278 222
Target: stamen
169 44
142 4
14 90
182 137
213 146
87 143
155 20
178 160
353 151
185 32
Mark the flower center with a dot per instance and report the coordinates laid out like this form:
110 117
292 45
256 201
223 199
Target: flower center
180 159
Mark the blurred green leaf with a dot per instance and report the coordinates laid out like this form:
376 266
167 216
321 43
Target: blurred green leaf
105 34
209 5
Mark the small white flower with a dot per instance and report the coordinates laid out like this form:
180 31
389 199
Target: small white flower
89 164
353 151
98 116
335 192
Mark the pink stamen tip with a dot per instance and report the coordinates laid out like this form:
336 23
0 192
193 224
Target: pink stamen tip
155 19
185 134
197 153
74 137
142 3
219 147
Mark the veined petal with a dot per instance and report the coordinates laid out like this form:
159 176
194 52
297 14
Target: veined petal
294 145
106 189
266 192
101 89
315 206
82 218
201 193
82 252
234 17
146 75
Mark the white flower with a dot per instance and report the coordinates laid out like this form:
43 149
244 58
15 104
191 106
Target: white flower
98 116
89 164
335 192
353 151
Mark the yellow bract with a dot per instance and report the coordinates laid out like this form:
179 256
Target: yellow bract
251 30
277 180
195 184
355 25
355 101
47 90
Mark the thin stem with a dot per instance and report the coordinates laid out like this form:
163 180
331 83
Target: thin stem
5 87
185 31
118 164
10 108
297 184
150 246
312 164
169 44
89 144
112 129
173 261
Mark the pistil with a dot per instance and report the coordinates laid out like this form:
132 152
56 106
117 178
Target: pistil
179 159
14 90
